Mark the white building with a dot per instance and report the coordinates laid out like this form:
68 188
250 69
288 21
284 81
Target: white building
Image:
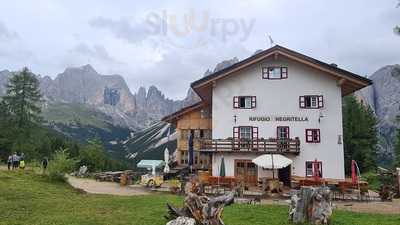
277 101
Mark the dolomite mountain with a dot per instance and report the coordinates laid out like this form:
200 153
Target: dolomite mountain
106 93
384 98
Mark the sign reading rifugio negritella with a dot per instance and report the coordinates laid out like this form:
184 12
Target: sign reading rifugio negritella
279 118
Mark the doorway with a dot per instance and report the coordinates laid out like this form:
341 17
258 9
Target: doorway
246 172
285 175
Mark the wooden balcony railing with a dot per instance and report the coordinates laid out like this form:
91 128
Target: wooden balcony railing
270 145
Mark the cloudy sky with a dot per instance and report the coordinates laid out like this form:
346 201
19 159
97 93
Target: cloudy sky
171 44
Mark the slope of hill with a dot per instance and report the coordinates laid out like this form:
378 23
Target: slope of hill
151 142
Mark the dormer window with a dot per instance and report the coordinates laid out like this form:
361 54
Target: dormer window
244 102
274 72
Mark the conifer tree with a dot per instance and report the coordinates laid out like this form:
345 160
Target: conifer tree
359 134
23 98
396 162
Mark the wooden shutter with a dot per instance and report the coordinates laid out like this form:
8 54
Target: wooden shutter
320 101
235 102
236 137
284 72
255 137
309 134
317 131
302 102
253 102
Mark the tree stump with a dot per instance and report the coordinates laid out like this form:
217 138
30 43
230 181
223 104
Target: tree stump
311 204
204 210
182 221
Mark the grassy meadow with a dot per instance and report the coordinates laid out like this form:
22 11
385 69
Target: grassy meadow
28 198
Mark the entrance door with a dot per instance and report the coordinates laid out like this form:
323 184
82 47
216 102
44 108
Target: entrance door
285 175
246 171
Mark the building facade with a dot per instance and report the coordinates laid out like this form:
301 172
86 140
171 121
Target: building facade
277 101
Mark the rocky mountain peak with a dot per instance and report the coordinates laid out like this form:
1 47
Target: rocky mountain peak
226 63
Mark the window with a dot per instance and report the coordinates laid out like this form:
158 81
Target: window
245 133
313 136
274 72
244 137
282 132
244 102
313 167
311 102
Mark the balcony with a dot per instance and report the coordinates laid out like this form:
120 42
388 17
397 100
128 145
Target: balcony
270 145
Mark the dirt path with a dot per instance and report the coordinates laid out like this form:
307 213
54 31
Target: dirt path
94 187
371 207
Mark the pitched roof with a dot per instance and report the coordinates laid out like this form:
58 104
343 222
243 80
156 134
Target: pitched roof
357 81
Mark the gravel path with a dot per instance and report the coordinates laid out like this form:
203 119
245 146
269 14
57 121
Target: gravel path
94 187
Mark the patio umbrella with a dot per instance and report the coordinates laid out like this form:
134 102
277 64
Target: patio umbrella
272 161
166 159
222 168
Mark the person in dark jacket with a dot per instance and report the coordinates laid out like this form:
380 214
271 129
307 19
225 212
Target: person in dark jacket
9 162
45 163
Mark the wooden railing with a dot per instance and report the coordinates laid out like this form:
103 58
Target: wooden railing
270 145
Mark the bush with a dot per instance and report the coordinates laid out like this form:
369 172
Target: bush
60 165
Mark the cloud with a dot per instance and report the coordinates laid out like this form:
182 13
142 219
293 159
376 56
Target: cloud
6 34
122 28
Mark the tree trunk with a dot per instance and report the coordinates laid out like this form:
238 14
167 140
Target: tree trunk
311 204
206 211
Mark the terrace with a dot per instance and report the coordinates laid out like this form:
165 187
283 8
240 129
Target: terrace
262 145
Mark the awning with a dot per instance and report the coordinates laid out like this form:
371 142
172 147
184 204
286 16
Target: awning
150 164
272 161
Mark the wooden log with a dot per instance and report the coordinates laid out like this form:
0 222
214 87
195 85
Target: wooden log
205 210
311 205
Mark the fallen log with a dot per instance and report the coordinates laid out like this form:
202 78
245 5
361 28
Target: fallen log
311 205
204 210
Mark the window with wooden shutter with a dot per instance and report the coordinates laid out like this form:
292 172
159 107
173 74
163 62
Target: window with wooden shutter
302 102
313 135
255 137
311 102
274 72
244 102
284 71
253 102
236 137
320 101
236 102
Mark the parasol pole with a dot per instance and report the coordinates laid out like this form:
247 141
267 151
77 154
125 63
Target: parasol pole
273 169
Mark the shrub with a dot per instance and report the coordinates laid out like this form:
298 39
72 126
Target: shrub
60 165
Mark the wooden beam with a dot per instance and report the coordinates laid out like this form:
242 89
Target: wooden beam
341 82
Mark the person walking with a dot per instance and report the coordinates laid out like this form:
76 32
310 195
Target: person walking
22 164
9 162
45 163
15 161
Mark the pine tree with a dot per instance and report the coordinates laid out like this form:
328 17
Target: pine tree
23 98
396 162
359 134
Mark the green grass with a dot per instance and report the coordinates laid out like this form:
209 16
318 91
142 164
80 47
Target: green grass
26 198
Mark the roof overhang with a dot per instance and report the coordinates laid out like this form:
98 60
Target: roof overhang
348 81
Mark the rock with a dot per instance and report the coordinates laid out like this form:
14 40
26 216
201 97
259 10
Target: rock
384 98
182 221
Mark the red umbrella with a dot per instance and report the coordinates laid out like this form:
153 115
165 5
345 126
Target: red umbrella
354 177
